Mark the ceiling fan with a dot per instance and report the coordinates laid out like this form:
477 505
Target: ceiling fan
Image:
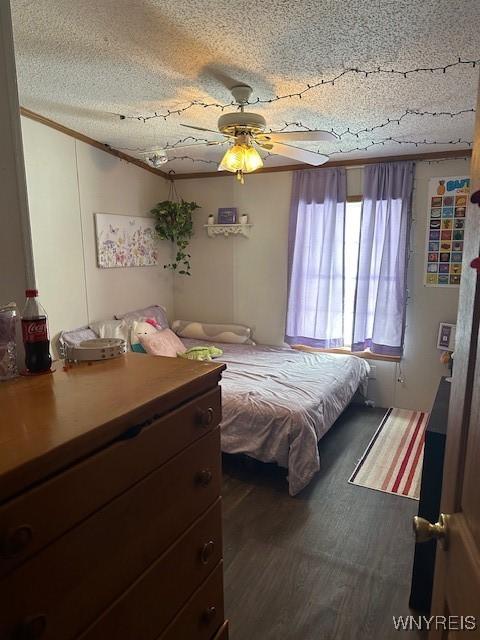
245 132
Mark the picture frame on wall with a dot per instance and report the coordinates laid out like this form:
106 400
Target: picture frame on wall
227 215
125 241
446 336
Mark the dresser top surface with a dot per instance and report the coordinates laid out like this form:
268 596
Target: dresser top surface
49 421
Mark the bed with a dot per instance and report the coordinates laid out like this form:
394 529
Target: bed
278 402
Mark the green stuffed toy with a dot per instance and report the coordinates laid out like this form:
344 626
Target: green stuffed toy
201 353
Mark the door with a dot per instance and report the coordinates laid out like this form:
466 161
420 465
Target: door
457 570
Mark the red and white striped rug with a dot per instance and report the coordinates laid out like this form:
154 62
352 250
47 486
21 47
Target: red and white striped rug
393 460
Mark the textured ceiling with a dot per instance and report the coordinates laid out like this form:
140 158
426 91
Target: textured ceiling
83 62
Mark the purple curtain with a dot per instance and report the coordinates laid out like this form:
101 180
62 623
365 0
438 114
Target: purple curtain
380 299
315 258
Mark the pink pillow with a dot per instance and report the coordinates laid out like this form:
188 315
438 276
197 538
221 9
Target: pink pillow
162 343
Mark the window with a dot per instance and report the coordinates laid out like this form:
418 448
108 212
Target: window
353 216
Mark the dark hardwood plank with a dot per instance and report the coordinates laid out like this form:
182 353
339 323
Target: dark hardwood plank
333 563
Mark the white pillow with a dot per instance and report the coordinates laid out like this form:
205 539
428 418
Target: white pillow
112 329
227 333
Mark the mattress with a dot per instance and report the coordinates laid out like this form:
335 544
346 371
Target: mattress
277 403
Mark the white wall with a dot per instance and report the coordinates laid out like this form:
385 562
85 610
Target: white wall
427 306
16 259
244 280
68 181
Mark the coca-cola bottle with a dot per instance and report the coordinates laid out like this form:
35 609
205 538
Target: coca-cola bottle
35 335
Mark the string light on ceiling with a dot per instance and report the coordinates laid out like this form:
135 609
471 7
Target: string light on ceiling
365 73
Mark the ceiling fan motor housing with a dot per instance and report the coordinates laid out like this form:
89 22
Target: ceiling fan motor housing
241 122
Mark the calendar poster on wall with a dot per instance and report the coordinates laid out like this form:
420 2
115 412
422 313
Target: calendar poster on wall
447 206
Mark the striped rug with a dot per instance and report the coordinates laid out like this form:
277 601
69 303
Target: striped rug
393 460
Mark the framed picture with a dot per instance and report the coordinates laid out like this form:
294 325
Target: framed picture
227 215
125 241
446 336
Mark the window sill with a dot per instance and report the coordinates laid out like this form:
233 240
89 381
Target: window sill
368 355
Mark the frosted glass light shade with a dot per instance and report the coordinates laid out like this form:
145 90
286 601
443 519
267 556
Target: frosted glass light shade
241 157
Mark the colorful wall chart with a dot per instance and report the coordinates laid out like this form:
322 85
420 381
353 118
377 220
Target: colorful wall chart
447 206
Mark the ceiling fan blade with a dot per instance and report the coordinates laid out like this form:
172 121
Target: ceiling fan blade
208 143
303 155
301 136
190 126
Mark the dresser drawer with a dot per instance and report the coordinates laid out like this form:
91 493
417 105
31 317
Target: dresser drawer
203 614
72 581
154 599
36 518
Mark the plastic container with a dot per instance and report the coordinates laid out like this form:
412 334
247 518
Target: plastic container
8 345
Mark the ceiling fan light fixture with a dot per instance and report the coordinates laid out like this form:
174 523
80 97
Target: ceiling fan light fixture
252 160
241 158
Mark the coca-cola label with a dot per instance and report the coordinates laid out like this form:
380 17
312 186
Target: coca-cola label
35 330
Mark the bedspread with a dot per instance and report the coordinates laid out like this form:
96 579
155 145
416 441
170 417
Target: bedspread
277 403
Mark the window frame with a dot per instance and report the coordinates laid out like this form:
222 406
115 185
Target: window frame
367 354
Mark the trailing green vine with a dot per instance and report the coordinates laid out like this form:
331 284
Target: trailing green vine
174 222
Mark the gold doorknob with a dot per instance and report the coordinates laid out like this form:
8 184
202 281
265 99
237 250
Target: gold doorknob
425 530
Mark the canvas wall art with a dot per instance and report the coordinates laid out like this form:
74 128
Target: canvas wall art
125 241
447 205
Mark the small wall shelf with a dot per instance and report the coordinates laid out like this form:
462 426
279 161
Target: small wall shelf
228 230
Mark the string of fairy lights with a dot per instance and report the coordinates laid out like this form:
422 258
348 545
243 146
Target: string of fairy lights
348 132
357 133
365 73
354 133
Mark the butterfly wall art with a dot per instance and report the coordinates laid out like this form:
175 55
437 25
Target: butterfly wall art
125 241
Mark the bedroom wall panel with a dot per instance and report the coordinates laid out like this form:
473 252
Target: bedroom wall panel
421 368
109 185
68 181
208 294
55 221
251 287
16 254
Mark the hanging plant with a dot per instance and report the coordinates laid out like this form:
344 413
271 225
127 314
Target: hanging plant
174 222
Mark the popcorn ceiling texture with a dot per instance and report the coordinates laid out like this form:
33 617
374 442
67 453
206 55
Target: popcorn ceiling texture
81 62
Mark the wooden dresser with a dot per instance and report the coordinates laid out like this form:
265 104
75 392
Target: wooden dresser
110 511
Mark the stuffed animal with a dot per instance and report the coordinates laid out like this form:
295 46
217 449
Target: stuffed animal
141 327
201 353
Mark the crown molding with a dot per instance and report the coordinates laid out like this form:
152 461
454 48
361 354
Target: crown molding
360 162
436 155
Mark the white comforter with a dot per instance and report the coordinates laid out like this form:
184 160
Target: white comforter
278 403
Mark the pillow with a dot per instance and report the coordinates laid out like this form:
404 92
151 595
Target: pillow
158 313
162 343
228 333
112 329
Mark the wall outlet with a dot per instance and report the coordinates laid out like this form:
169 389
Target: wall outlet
373 372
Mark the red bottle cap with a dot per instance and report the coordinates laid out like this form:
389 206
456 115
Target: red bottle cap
31 293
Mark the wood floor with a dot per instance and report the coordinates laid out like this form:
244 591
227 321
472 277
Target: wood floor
333 563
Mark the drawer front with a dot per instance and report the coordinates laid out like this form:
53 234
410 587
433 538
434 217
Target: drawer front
203 614
72 581
154 599
35 519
